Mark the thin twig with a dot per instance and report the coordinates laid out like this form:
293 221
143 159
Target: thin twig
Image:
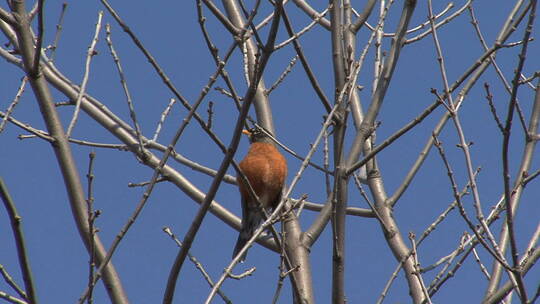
282 270
530 177
529 79
411 30
91 52
287 149
489 98
123 81
483 268
11 282
13 104
142 184
417 267
281 77
438 281
210 112
162 118
91 227
439 24
59 27
418 119
326 164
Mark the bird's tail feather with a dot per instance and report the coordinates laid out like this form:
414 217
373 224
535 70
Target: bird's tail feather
248 228
240 243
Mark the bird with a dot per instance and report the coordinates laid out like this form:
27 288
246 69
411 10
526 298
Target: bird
266 170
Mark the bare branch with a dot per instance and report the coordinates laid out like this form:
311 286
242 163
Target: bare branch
91 52
306 29
124 87
16 227
439 24
39 42
162 118
13 104
9 280
11 299
59 27
489 98
281 77
91 227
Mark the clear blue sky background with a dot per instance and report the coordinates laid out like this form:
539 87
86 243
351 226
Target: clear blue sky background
170 31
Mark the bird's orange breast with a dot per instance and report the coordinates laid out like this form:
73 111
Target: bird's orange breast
266 169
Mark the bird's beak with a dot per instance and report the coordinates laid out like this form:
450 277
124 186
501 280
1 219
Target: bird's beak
246 132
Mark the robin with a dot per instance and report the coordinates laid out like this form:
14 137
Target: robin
265 168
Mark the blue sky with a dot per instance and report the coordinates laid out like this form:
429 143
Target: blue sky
171 33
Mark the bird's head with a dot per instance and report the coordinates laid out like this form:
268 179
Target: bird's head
256 135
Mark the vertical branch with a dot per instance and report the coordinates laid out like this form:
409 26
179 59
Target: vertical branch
507 133
414 254
16 226
61 147
326 165
378 61
39 42
339 197
505 160
91 228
